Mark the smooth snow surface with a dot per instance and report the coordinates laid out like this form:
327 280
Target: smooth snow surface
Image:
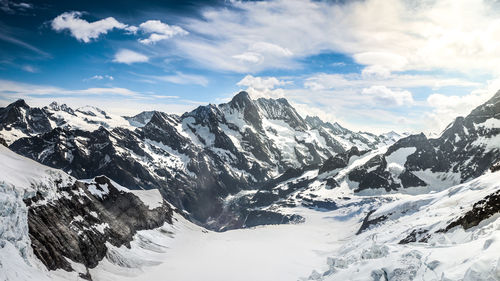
151 197
275 252
27 175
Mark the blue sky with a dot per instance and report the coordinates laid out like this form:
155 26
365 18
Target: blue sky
370 65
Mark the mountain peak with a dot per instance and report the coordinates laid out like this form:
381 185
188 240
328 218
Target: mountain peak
92 111
55 106
241 99
489 109
19 103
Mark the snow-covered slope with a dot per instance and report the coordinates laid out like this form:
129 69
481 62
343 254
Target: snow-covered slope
425 237
48 220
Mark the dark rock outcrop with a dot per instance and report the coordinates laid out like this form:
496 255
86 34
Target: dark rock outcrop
368 222
480 211
495 167
3 142
419 235
78 224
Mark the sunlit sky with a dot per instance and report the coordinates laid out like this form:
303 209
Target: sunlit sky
374 65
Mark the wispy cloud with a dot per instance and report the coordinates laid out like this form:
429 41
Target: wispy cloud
29 68
100 77
129 57
395 34
370 77
12 88
4 36
129 102
181 78
11 7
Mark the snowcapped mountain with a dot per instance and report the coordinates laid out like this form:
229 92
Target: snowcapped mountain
19 120
348 138
195 160
122 194
467 149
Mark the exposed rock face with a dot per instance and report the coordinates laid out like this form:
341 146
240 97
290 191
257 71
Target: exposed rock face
495 167
120 154
79 223
419 235
367 221
3 142
339 161
141 119
19 120
260 217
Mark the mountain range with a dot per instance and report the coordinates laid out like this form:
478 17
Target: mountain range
82 183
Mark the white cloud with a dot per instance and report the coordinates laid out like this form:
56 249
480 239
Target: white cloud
387 97
263 87
100 77
446 108
128 57
260 83
249 57
159 31
83 30
25 5
14 8
375 72
29 68
269 48
86 31
381 60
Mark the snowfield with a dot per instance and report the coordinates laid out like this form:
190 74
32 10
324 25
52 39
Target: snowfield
324 247
187 252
